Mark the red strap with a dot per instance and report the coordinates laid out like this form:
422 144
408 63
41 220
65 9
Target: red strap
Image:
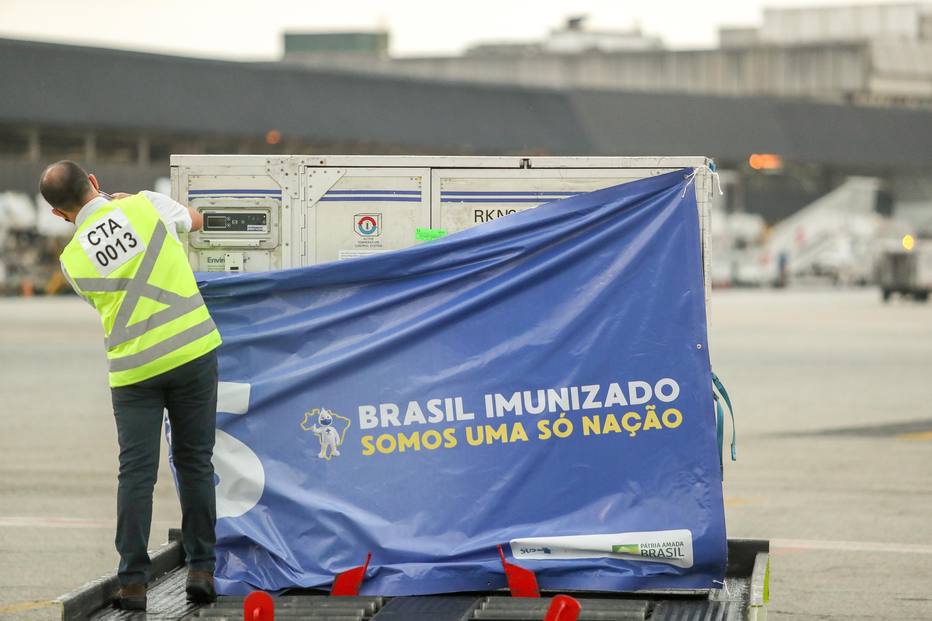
347 583
521 582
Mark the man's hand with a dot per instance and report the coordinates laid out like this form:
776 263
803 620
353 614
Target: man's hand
197 219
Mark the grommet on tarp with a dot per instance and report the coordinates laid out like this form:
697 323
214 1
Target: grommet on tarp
347 583
563 608
258 606
521 582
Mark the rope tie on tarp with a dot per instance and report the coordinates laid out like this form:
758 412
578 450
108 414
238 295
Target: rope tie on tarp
720 418
713 169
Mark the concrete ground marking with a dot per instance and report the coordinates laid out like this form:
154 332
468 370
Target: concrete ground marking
27 606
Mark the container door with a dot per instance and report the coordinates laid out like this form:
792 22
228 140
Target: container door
356 212
466 197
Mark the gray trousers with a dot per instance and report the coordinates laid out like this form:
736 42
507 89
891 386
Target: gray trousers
189 393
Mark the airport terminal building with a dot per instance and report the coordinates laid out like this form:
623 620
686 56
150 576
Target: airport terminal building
159 105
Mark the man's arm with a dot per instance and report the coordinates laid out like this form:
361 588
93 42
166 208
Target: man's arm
172 211
197 219
181 217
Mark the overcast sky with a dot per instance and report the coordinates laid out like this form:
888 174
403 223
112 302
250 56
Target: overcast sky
251 30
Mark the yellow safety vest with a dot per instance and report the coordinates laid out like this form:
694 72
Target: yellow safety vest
137 276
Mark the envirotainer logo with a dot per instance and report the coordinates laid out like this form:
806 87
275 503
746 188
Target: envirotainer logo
674 547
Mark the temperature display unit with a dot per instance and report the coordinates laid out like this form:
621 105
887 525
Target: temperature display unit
236 221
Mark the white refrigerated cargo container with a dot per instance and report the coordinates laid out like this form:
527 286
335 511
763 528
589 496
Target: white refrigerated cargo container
276 212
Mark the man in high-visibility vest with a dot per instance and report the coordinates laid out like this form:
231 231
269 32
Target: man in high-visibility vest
126 260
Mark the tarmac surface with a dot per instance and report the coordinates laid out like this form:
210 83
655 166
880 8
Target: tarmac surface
833 392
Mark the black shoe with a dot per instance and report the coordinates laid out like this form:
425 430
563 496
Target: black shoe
200 587
131 597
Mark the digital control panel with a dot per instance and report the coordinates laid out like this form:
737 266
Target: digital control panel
237 221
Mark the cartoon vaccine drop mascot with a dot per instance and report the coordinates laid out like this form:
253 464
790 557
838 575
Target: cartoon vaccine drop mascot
326 431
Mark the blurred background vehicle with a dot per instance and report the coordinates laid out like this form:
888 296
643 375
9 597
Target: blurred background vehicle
905 268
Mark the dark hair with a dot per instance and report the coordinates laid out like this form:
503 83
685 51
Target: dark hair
64 185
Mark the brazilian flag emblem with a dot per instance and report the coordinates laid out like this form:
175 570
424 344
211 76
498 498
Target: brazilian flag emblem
630 548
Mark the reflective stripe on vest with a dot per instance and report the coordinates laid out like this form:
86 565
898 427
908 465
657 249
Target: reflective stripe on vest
135 288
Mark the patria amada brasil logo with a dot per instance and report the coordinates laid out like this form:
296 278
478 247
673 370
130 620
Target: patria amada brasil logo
368 224
672 547
330 429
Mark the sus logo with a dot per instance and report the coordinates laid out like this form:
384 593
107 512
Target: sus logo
325 427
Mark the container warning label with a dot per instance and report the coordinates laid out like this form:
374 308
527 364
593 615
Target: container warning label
355 253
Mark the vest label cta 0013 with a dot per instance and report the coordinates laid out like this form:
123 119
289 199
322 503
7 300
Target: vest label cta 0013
111 242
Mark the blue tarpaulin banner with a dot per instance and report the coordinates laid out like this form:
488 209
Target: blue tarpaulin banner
540 382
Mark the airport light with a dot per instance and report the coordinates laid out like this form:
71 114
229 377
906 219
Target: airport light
765 161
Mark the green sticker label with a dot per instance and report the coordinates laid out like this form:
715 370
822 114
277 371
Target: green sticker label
422 234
